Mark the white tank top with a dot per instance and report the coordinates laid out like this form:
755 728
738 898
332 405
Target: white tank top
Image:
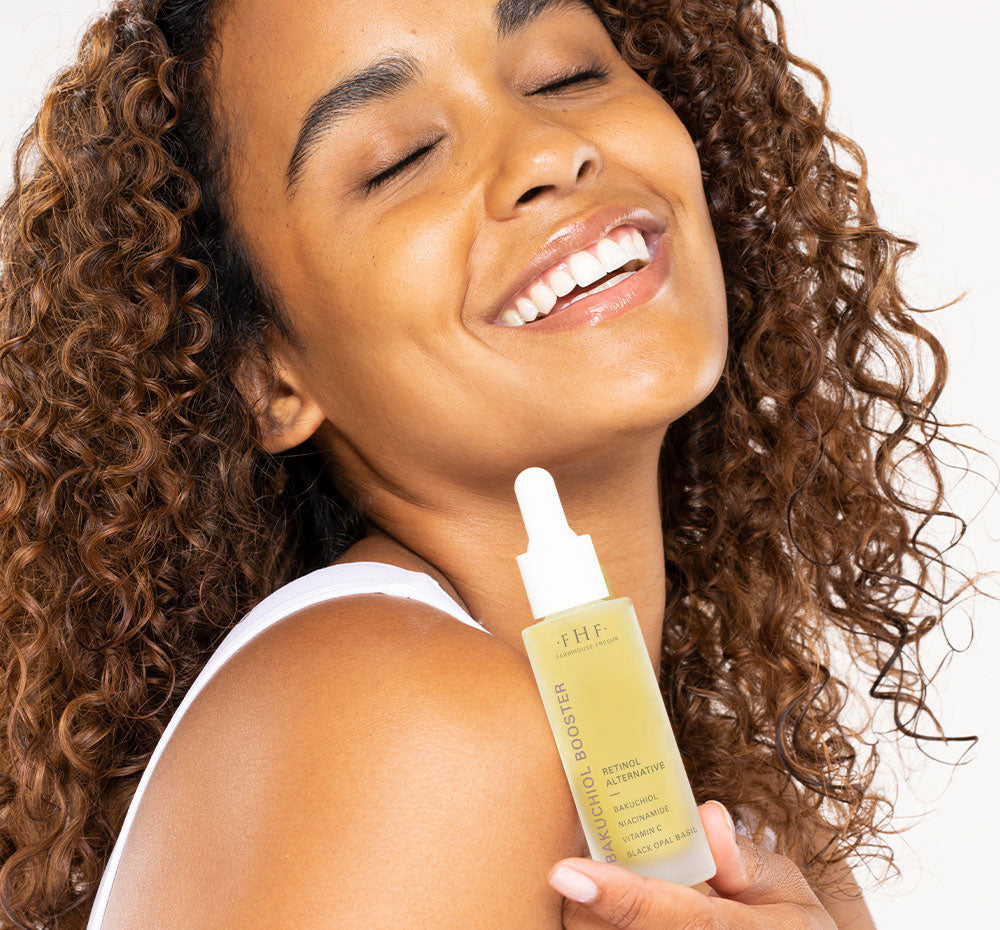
321 585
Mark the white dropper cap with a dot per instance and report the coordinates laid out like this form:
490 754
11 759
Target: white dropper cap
560 569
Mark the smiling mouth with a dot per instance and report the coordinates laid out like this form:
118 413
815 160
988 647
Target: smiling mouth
614 258
602 284
617 293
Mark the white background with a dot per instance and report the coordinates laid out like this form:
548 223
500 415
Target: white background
915 84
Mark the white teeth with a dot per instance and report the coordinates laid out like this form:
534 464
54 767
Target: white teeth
514 317
526 308
642 251
561 282
603 286
585 268
543 297
630 248
611 254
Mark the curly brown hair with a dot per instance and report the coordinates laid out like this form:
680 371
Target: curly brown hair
141 518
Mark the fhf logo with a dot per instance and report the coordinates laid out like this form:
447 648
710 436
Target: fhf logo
582 634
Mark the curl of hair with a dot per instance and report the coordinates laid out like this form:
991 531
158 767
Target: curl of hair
140 517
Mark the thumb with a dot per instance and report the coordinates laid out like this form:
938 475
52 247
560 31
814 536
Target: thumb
720 831
621 898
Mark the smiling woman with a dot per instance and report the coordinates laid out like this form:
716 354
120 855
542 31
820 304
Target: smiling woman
286 303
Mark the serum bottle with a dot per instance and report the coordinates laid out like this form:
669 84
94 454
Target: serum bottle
603 703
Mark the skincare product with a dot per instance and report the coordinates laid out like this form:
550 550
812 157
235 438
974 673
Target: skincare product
603 702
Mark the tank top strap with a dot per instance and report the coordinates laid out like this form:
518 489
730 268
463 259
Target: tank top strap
340 581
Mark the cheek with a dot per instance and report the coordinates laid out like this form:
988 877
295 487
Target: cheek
417 277
643 132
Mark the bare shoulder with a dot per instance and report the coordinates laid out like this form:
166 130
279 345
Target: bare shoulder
374 762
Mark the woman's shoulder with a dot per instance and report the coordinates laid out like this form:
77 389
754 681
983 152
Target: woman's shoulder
360 649
372 743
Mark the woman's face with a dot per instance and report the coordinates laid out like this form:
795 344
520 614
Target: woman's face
393 290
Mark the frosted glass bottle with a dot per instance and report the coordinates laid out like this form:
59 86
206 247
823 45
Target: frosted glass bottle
603 703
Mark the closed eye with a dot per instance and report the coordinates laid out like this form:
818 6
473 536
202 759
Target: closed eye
591 73
384 177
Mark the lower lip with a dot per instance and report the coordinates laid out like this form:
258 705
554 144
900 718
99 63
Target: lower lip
635 291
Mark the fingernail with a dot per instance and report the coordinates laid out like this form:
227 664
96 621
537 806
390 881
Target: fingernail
729 818
572 884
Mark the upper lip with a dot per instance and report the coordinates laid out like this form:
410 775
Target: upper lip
575 236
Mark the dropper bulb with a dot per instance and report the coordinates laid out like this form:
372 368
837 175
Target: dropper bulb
541 509
560 569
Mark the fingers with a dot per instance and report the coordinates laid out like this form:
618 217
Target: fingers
612 896
771 878
730 874
603 895
747 873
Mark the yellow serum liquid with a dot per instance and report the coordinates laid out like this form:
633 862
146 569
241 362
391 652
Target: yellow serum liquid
617 747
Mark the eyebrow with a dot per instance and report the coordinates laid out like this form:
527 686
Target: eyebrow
389 76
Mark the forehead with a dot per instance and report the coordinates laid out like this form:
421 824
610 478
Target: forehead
290 35
277 57
343 28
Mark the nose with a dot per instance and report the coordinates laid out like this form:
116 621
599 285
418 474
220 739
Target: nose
539 158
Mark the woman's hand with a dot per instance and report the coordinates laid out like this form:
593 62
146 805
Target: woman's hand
752 889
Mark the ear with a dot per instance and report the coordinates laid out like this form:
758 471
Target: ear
291 415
